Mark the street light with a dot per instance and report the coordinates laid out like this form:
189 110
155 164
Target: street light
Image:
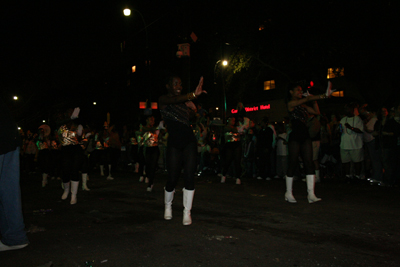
15 97
127 12
224 64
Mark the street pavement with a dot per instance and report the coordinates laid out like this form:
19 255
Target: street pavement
119 223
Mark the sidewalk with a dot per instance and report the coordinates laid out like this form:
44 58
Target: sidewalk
118 223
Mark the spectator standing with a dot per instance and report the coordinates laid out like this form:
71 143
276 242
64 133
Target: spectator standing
249 155
351 144
371 147
387 131
241 111
12 227
232 150
264 150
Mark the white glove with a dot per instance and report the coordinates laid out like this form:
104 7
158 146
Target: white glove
306 94
161 125
75 114
329 90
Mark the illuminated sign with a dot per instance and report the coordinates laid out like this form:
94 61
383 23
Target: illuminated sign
253 108
142 105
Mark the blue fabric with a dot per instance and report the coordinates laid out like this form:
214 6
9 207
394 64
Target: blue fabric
11 220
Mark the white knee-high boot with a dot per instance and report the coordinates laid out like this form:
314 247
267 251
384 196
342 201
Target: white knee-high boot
66 187
187 204
44 179
310 188
74 191
168 197
289 195
109 177
84 181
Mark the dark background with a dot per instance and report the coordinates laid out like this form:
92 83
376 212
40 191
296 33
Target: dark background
59 54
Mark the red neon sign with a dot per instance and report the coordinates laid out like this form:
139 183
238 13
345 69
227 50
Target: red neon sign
263 107
248 109
143 105
254 108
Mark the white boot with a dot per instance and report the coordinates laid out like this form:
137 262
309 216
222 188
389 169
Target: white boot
66 190
187 204
84 180
74 191
223 179
289 195
44 179
102 170
310 189
109 177
168 197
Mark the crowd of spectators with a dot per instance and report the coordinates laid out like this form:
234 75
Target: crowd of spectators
358 143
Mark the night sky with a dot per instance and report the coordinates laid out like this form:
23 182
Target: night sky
68 53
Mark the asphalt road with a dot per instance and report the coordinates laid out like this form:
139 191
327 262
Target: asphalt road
118 223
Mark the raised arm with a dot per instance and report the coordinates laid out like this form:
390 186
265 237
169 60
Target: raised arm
293 103
308 97
168 100
175 99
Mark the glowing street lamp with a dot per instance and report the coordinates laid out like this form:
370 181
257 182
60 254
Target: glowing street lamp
15 97
127 12
224 64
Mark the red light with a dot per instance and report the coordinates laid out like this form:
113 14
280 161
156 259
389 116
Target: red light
311 83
